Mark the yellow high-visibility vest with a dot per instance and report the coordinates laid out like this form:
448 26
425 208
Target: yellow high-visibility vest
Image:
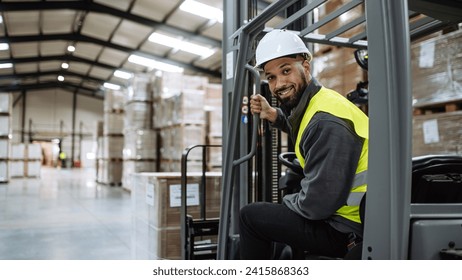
62 155
331 102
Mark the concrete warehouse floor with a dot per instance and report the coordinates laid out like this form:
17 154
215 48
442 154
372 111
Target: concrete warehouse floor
63 215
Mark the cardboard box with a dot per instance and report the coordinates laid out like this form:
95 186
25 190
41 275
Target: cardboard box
4 175
114 100
140 144
6 103
140 88
136 166
109 172
34 151
185 107
138 115
5 125
436 70
156 211
16 168
112 147
33 168
113 123
437 134
4 148
18 151
338 70
175 139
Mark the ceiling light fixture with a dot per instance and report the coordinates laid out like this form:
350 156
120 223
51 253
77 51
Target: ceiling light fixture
180 44
60 78
111 86
65 65
153 64
71 49
4 46
6 65
123 74
202 10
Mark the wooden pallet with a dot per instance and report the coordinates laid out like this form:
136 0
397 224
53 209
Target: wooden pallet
439 108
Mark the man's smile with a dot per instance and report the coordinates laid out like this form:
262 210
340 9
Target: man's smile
284 91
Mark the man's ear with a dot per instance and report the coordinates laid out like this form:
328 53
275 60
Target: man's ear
306 65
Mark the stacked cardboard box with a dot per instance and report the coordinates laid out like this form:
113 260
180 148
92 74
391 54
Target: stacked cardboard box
17 160
110 144
167 84
437 94
140 138
4 156
156 209
337 69
33 160
139 153
25 160
175 139
214 125
437 134
179 116
110 160
6 109
436 67
186 106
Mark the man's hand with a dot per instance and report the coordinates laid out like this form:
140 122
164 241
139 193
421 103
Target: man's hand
259 105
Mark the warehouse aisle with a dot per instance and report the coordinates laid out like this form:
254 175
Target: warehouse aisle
64 215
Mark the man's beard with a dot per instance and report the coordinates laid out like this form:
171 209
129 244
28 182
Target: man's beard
289 104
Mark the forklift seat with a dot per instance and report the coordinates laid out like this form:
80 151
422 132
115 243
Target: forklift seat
437 179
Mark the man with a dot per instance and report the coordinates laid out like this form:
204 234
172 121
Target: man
62 158
330 135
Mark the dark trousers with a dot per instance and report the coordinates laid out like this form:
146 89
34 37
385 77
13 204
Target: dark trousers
262 224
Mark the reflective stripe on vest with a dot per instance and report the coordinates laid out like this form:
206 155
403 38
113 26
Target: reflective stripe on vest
331 102
354 199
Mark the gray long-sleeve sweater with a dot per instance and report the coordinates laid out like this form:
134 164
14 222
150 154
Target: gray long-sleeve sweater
331 150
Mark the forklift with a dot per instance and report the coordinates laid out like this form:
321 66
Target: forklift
414 205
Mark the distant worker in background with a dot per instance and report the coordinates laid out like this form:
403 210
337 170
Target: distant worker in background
331 143
62 158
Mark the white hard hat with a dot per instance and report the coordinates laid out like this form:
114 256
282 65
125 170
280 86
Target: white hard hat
279 43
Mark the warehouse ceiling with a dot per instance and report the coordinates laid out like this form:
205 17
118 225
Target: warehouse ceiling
36 38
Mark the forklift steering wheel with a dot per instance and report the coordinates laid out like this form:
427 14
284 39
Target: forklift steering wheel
289 159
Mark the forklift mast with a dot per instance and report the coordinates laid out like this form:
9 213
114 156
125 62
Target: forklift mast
385 29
